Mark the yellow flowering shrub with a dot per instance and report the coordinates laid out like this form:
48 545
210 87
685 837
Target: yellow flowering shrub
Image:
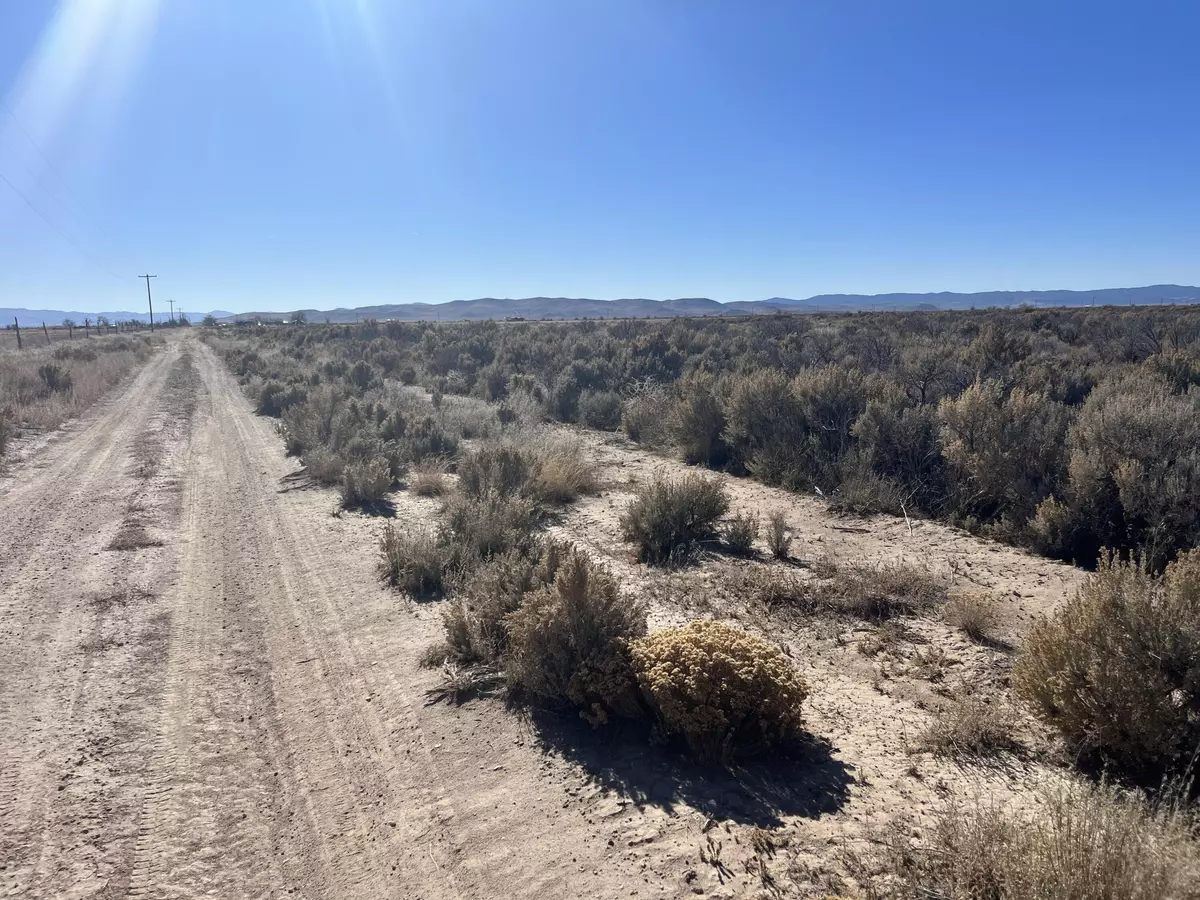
721 689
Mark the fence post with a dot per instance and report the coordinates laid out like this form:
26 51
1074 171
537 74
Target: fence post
17 322
46 331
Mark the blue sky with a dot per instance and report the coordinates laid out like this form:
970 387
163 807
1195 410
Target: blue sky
277 154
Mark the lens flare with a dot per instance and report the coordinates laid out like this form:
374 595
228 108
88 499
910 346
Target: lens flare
81 67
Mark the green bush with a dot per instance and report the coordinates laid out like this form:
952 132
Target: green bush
1004 449
1117 670
725 692
275 397
669 517
428 439
568 642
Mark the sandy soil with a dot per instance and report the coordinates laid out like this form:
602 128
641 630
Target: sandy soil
234 707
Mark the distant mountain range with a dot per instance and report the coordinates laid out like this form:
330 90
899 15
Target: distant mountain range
641 308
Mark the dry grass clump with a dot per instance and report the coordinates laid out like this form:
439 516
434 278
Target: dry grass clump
414 562
773 589
879 592
365 484
739 534
1117 670
968 727
779 542
973 614
429 477
1081 842
562 470
721 689
545 468
669 518
568 641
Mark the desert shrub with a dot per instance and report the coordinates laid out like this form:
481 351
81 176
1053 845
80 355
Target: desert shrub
274 398
427 439
646 413
561 468
765 429
1005 450
669 517
865 493
568 642
1079 842
56 378
429 477
600 410
481 527
323 466
779 542
882 591
475 620
366 483
414 562
974 614
739 534
312 424
698 421
493 469
1134 475
900 443
1117 670
968 727
724 691
831 400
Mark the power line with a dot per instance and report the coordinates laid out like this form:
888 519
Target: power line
57 174
62 234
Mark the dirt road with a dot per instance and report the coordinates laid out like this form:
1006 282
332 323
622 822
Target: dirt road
232 706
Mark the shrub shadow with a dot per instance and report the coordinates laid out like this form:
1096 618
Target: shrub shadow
383 509
807 781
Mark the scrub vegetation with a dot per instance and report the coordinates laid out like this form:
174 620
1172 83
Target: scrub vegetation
1070 433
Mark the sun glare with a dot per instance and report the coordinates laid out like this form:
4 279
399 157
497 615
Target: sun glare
81 67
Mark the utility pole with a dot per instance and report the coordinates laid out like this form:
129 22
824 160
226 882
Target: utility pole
149 299
172 302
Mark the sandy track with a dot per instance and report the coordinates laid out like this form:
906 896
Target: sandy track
249 720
